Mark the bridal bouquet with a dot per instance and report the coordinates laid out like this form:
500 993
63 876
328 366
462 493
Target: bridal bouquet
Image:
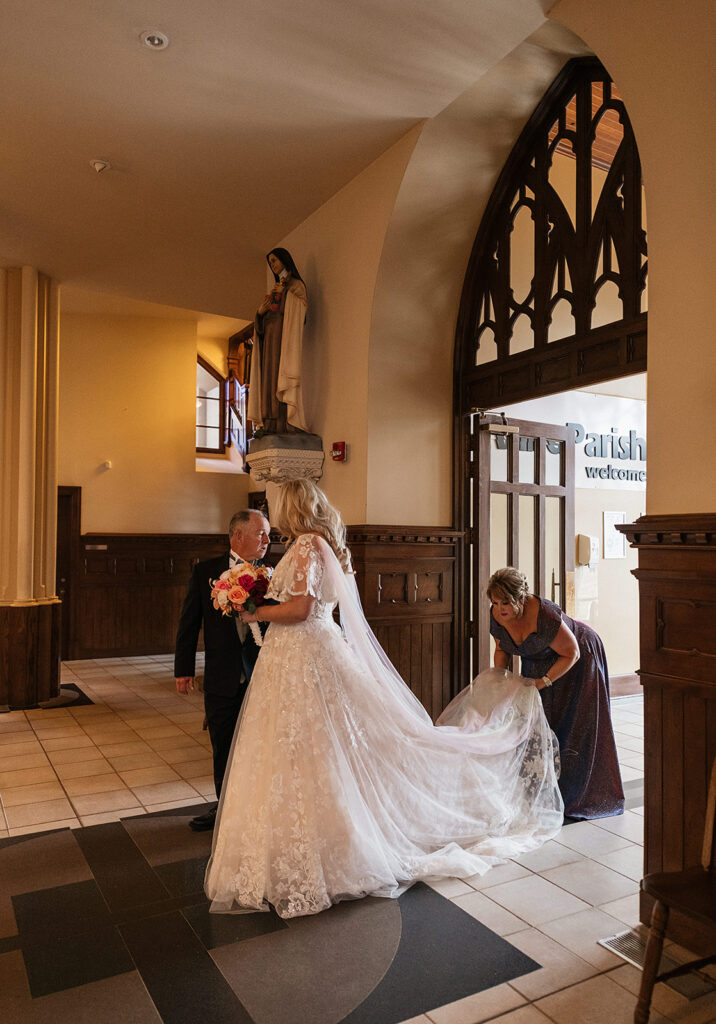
240 589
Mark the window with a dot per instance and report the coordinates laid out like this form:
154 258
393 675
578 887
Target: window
210 408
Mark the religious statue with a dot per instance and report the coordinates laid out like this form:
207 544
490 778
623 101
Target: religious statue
275 387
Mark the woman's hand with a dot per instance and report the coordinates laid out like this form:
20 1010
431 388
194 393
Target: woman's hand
247 617
537 683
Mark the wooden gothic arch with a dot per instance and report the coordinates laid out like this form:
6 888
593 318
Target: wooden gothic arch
505 345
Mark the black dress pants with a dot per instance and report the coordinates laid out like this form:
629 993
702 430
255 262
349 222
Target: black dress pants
221 715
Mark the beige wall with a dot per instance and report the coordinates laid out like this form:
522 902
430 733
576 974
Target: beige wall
337 251
438 210
661 57
127 395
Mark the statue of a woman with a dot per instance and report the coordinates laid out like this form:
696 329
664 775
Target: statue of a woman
275 396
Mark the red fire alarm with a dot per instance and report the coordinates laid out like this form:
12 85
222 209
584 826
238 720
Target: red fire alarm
338 451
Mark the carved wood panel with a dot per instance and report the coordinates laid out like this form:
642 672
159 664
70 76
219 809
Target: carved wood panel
677 606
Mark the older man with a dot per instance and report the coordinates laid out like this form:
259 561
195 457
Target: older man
231 652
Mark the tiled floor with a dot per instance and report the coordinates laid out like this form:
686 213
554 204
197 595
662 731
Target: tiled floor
141 747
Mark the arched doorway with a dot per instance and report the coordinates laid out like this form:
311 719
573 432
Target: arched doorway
554 297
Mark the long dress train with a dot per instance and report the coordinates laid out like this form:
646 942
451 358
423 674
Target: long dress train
339 785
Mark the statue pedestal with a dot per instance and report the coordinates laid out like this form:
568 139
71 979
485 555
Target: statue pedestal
276 458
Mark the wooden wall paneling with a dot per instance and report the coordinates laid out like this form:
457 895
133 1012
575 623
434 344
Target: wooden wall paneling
677 594
406 579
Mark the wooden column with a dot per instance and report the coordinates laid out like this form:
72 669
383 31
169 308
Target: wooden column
29 607
677 599
406 580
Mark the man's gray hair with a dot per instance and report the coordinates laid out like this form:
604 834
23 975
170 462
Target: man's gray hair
241 518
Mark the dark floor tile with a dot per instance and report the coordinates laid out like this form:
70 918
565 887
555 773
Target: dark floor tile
183 877
122 873
444 955
165 839
77 959
182 979
50 915
223 929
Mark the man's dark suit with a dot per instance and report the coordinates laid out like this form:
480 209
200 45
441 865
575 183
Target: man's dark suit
229 662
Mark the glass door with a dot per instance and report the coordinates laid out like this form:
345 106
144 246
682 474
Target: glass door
520 512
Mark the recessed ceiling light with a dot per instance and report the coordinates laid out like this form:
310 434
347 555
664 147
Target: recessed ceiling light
100 165
155 40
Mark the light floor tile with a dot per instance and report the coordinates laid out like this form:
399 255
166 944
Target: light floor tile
106 816
95 803
449 887
489 913
193 768
37 813
204 785
187 752
551 855
625 909
74 742
495 876
560 967
630 774
159 732
29 746
479 1007
536 900
93 784
26 777
525 1015
76 754
171 804
591 881
628 825
588 839
422 1019
32 794
48 826
15 762
82 769
128 762
595 1001
14 732
580 933
164 792
629 862
135 746
137 777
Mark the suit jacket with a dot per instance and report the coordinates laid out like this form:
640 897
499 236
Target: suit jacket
226 654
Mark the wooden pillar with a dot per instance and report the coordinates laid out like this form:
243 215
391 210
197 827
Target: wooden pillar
677 617
29 607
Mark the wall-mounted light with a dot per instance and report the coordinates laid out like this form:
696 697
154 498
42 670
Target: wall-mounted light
100 165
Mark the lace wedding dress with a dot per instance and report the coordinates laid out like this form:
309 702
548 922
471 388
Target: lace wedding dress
340 786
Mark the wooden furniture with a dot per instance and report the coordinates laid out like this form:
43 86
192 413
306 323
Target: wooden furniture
693 893
677 613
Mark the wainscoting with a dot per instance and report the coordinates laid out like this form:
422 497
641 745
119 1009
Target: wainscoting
677 597
127 592
406 579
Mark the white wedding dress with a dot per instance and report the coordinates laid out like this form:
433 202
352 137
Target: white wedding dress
340 786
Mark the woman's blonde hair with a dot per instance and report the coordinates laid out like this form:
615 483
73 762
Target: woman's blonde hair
302 507
509 584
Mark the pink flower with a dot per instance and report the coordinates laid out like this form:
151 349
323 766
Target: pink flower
221 585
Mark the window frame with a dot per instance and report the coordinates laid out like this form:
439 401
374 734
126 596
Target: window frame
220 449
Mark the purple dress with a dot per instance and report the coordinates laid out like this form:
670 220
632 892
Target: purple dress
577 709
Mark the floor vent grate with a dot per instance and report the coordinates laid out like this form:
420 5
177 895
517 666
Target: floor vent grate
630 946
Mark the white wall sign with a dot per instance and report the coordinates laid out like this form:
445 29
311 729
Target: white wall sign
614 542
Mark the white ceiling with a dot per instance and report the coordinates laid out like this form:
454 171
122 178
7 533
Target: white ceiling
253 116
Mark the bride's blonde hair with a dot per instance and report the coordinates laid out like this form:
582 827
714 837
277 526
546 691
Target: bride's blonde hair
302 507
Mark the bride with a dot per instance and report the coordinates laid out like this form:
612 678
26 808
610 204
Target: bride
339 785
